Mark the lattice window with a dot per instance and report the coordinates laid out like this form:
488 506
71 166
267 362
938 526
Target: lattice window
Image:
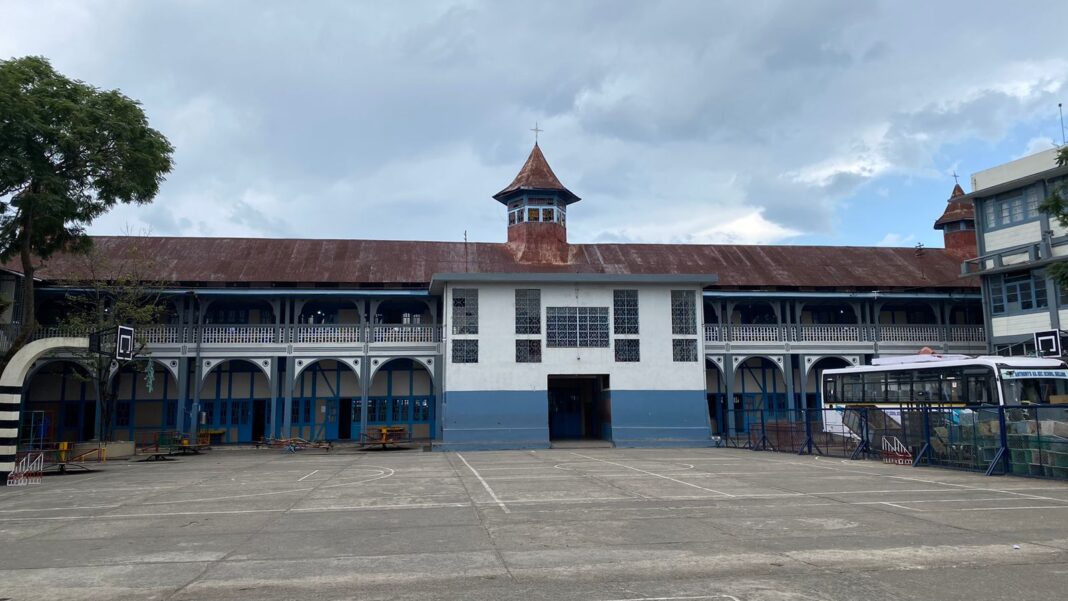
683 312
464 351
684 349
576 327
465 311
528 351
628 350
625 311
527 311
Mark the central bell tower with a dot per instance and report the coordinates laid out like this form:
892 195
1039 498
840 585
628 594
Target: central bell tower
537 212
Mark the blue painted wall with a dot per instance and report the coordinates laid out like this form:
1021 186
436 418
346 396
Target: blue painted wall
495 419
485 420
657 418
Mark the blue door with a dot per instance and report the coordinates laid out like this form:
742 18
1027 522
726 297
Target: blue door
565 413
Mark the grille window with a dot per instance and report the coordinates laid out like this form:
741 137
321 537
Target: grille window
628 350
683 313
528 351
625 311
576 327
684 349
465 351
465 311
528 311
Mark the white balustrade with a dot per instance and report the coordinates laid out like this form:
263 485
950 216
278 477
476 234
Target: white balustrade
829 333
756 333
895 333
715 333
160 334
327 334
237 334
406 333
967 334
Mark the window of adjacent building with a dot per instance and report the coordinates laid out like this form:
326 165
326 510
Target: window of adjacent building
684 349
464 351
576 327
1012 207
628 350
625 312
528 351
683 312
1019 291
465 311
527 311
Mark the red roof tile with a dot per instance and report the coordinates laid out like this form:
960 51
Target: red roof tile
536 175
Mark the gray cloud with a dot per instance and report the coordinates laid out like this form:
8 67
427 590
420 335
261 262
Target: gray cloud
342 119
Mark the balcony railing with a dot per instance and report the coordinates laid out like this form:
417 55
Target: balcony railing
1007 257
844 333
237 334
406 333
327 334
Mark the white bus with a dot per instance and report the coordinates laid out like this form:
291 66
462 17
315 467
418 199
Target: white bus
947 381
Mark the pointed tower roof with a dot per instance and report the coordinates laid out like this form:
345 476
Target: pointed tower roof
957 209
535 176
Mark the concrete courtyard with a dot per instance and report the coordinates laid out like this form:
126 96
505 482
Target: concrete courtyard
591 524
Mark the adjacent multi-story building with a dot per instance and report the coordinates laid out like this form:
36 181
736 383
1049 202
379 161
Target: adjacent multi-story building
501 345
1016 244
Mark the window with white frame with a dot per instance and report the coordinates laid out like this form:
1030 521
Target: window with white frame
683 312
625 311
1012 207
465 311
684 349
576 327
464 351
528 311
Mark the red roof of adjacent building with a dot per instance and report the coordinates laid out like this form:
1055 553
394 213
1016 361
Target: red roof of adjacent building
353 263
536 175
958 208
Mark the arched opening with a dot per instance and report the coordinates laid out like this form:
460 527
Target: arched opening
402 393
326 402
759 386
716 391
907 314
711 314
59 405
239 312
814 378
233 402
403 312
828 314
756 313
329 312
144 397
970 314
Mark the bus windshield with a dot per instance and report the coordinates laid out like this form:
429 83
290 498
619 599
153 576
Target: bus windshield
1024 386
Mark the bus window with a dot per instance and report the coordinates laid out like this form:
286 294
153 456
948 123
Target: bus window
874 387
1033 391
899 386
926 387
852 390
830 389
978 386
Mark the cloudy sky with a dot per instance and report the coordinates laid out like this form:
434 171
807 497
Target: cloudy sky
801 122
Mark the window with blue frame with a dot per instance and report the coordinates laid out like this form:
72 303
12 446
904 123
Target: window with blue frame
222 412
1013 207
1018 291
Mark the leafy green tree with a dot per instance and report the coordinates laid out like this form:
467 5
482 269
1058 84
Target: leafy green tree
113 289
69 152
1056 205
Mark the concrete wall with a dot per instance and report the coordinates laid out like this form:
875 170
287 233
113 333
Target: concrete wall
498 403
1025 233
1020 324
1022 167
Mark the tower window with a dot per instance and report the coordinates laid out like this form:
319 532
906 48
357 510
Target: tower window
547 215
532 215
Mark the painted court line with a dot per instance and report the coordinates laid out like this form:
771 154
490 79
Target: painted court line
492 494
731 597
306 475
653 474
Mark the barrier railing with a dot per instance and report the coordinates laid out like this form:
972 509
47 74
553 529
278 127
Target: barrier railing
1025 440
845 333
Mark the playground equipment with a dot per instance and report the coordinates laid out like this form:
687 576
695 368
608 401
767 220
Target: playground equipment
162 445
385 436
292 445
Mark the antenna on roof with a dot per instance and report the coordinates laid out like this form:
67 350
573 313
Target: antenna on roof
1059 112
466 269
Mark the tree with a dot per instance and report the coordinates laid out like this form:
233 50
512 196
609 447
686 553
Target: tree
69 152
121 288
1056 205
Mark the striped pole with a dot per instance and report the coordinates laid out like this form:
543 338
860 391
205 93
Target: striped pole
10 400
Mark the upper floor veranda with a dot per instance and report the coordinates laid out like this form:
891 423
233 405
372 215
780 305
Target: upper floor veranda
313 323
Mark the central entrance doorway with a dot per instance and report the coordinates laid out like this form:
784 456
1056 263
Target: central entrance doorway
579 408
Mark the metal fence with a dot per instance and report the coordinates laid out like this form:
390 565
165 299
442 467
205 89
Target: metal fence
1026 440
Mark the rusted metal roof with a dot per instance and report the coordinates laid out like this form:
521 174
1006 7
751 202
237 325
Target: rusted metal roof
384 263
958 208
536 175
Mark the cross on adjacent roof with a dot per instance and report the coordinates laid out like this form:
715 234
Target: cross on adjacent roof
536 132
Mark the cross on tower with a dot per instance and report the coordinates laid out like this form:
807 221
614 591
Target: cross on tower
955 177
536 132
